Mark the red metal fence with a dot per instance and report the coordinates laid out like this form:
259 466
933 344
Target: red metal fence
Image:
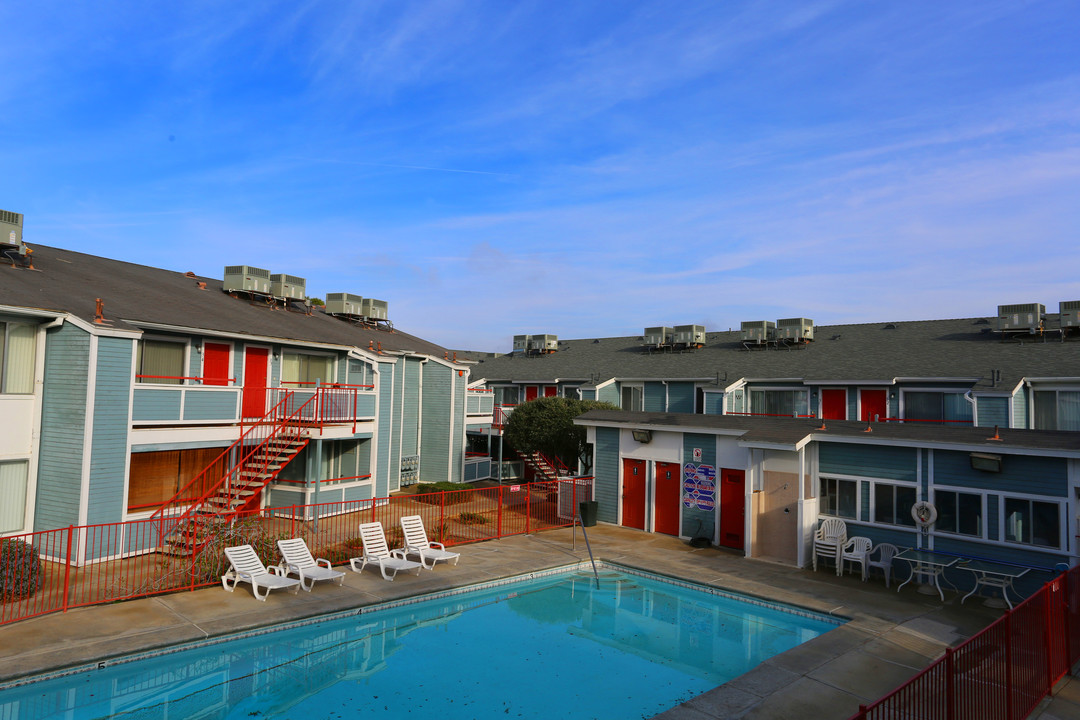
1002 672
93 564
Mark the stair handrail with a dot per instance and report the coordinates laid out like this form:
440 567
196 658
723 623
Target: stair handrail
176 498
579 521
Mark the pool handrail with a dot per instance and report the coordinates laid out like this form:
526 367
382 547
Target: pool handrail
579 521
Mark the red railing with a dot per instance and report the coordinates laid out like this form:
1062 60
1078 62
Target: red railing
94 564
502 413
1004 671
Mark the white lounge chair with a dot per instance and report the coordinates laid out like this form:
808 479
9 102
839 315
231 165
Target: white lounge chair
856 550
376 552
829 539
247 567
417 543
298 559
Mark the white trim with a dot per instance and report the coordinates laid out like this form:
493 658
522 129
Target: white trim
127 434
982 494
1063 524
88 440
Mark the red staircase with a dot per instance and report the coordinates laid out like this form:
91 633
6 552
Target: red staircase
236 477
543 468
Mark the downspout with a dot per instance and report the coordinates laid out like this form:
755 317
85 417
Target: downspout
974 409
800 558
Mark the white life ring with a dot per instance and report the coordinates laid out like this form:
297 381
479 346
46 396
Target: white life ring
924 513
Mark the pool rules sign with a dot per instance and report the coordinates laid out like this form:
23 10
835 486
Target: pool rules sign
699 486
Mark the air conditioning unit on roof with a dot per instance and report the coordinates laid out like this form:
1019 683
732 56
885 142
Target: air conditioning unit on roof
245 278
287 286
343 304
543 343
658 336
758 331
373 309
11 230
689 335
795 329
1070 313
1027 317
521 342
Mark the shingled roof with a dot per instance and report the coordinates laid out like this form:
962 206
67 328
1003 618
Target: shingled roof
70 282
966 349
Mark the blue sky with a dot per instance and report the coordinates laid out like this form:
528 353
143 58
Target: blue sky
583 169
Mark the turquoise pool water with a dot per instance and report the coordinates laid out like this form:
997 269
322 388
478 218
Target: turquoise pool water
536 648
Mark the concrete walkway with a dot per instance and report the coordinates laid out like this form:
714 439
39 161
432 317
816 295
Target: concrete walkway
889 638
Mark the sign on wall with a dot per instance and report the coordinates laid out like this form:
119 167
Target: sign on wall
699 486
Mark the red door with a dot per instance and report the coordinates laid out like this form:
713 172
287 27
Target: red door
732 508
633 494
834 404
216 364
531 392
256 363
872 405
668 495
551 390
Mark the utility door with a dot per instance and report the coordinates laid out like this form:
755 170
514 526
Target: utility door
551 390
668 496
531 391
732 508
256 372
873 405
216 370
834 404
633 494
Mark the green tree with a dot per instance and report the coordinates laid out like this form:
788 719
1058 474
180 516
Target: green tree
546 425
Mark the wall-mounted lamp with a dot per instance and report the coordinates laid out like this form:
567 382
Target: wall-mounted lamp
986 462
642 436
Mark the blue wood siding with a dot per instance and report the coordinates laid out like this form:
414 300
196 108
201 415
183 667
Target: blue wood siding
63 421
588 394
992 508
394 471
680 397
610 393
853 403
435 436
156 405
411 420
457 440
358 492
714 403
1020 474
893 463
108 462
1020 409
692 518
211 405
864 501
606 472
654 397
993 411
386 412
365 404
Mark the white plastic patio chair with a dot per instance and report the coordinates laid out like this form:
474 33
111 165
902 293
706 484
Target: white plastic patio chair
856 550
376 552
298 559
828 540
417 543
885 552
247 567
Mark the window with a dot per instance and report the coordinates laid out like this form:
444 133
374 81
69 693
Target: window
779 402
17 345
506 395
959 512
936 407
1032 522
839 498
1057 410
13 495
632 397
892 504
306 370
160 362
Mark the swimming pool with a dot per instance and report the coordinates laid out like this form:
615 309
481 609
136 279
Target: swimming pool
543 645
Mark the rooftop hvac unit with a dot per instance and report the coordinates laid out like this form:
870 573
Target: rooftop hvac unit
758 331
658 336
1027 317
287 286
1070 313
244 278
373 309
687 335
795 329
521 342
543 343
343 304
11 225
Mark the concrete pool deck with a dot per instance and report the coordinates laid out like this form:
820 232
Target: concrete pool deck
890 635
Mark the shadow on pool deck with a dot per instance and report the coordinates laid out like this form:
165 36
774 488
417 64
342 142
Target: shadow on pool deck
889 638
